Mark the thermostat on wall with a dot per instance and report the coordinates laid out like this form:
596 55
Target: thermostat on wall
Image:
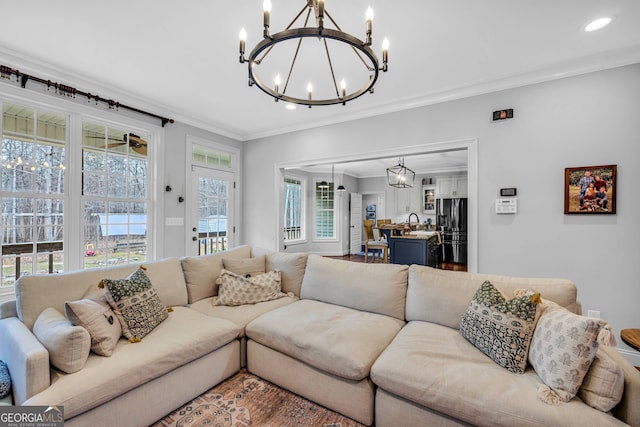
507 206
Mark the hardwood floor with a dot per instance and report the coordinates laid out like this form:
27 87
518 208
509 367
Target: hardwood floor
443 266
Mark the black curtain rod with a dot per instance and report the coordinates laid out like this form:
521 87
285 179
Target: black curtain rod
7 72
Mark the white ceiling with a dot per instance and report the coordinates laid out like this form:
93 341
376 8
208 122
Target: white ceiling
180 59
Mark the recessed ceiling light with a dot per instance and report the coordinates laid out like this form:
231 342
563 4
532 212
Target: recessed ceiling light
290 107
598 24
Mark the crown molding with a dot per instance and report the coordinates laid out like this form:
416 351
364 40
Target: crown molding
587 64
30 65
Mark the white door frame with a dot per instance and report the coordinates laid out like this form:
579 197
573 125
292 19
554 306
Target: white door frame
469 144
235 169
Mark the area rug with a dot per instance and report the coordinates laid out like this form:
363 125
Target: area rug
247 400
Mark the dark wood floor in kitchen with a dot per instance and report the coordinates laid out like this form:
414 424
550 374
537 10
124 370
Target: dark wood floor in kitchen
443 266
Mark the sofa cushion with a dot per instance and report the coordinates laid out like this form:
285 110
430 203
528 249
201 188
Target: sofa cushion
339 340
292 266
501 328
434 366
185 336
376 288
246 267
442 296
236 289
97 317
563 347
36 292
68 345
5 380
201 272
136 304
603 386
240 315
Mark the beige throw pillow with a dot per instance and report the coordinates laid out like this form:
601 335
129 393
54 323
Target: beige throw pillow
247 267
603 385
99 320
68 345
238 290
562 349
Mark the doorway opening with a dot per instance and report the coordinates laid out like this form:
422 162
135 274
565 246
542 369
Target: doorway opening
466 149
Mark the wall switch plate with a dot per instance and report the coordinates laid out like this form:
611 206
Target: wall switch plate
593 313
174 221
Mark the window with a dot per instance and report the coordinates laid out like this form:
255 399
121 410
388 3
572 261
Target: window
114 195
209 157
325 210
33 187
293 209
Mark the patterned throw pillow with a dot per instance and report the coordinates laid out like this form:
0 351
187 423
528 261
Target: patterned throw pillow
5 380
501 328
97 317
562 349
238 290
136 304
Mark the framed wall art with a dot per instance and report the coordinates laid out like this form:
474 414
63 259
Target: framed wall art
590 190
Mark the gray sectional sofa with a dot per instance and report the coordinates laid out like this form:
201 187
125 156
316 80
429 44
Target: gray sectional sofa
377 343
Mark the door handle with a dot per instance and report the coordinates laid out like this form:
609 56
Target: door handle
194 229
194 238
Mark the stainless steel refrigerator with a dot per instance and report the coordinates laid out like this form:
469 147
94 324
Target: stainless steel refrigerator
451 221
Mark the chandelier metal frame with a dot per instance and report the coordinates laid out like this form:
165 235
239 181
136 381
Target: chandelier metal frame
400 176
360 47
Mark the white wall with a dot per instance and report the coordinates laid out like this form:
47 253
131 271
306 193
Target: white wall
579 121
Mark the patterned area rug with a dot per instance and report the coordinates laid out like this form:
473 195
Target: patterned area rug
247 400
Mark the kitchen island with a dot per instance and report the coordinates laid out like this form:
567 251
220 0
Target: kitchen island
417 247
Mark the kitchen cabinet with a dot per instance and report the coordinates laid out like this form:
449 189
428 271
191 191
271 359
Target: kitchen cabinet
451 186
408 199
429 199
413 251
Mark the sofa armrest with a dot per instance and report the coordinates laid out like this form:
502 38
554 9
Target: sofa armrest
26 357
628 409
8 309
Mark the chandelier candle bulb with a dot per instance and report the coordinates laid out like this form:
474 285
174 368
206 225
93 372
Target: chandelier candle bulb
278 81
343 86
385 54
320 15
267 15
369 18
243 39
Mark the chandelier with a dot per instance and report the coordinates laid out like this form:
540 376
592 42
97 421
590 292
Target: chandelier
340 48
400 176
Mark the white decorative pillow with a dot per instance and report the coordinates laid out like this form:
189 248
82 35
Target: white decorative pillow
97 317
238 290
136 304
68 345
562 349
501 328
603 385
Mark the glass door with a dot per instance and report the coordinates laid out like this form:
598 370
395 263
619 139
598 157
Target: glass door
212 227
